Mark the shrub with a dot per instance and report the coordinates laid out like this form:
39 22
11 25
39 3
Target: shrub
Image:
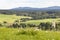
44 26
31 25
58 26
1 24
15 25
4 22
48 26
23 25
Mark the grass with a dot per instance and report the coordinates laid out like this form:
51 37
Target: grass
42 20
10 18
28 34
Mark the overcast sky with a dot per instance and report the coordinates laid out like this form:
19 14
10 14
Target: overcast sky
8 4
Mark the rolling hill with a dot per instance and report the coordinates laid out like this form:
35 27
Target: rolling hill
35 9
36 13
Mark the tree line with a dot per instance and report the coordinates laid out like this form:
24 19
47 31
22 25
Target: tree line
34 14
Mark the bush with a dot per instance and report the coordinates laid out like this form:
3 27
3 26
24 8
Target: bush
23 25
1 25
44 26
48 26
15 25
31 25
58 26
41 26
4 22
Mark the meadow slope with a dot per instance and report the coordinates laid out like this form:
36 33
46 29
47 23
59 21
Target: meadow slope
28 34
10 18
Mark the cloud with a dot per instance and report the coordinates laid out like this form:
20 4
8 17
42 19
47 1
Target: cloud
7 4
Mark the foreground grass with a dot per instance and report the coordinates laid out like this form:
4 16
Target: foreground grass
28 34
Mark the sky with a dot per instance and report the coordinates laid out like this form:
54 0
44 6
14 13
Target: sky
9 4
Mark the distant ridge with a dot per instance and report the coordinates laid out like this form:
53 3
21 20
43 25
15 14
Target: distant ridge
36 9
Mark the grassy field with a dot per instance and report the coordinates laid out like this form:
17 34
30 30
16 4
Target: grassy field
43 20
10 18
28 34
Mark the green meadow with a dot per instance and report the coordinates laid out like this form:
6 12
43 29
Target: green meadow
26 33
42 20
10 18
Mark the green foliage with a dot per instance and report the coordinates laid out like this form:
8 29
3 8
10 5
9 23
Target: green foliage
45 26
31 25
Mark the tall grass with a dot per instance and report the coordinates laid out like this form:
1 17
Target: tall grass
28 34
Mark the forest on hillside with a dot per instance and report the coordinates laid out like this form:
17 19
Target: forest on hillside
34 14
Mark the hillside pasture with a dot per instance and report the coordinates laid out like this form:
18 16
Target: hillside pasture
27 33
42 20
10 18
